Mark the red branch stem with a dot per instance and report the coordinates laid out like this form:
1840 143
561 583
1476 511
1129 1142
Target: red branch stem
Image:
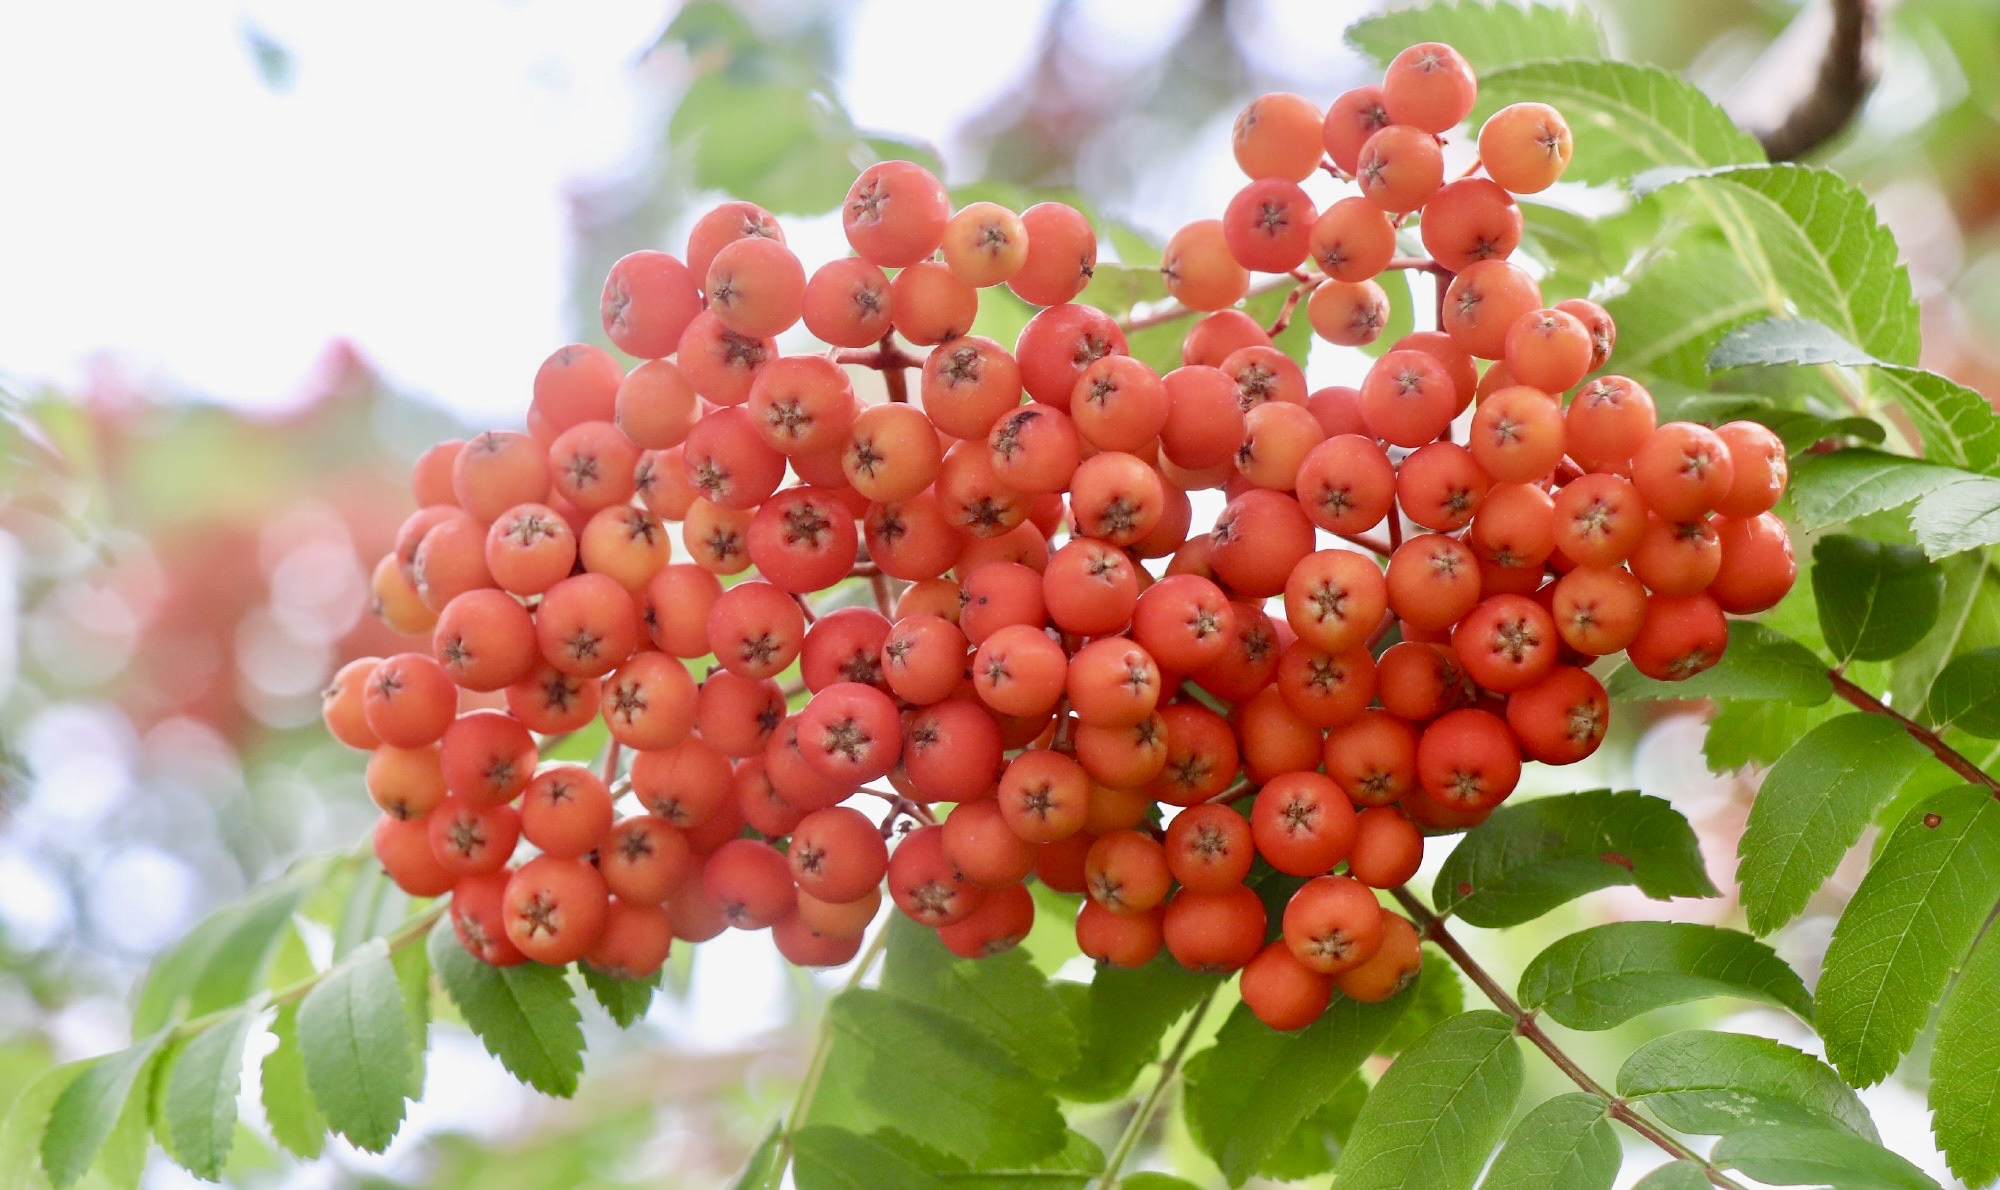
1951 757
1526 1025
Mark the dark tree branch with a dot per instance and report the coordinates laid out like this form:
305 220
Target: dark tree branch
1846 75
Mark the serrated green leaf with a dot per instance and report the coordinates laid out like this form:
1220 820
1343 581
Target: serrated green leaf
1312 1148
200 1095
1812 242
1966 695
1770 342
1703 1082
1439 993
1812 808
1489 35
1438 1112
228 956
295 1120
1608 974
1792 1156
1675 1175
1624 119
1250 1089
1565 1141
1968 621
765 1170
1122 1017
354 1034
1118 289
26 1120
1529 857
626 1000
1965 1068
92 1106
1846 485
1799 430
413 976
1875 600
1743 732
976 1102
1674 308
1154 1180
1963 515
524 1015
1760 663
1906 927
1002 996
826 1158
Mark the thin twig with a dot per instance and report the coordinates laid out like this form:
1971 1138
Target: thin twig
1951 757
822 1046
1846 74
1525 1024
1169 1068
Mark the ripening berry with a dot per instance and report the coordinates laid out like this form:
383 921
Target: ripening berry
1468 221
587 625
625 544
840 919
405 782
1119 403
724 224
649 703
529 549
1214 337
1506 643
577 383
1430 86
1303 823
846 303
1373 759
1258 538
1268 225
891 453
756 630
649 298
342 708
553 702
1044 796
996 595
1354 117
1400 168
1388 848
402 846
1608 420
1000 924
967 384
952 751
487 757
1560 719
662 484
1059 344
1325 688
1209 848
1393 967
914 541
1345 484
1440 486
634 942
1468 759
1683 470
1113 682
1335 598
803 540
497 470
1200 271
1019 671
478 918
984 848
1123 940
1062 255
1352 240
1515 532
1597 323
1126 872
1090 588
751 881
1034 448
1277 136
1757 567
1548 349
1115 497
1333 924
1758 469
1418 681
721 362
566 811
1682 636
850 733
470 839
643 858
1214 932
1408 398
1525 147
1598 610
1264 374
409 700
1432 581
1517 435
802 405
674 609
1483 302
1350 314
928 304
449 561
895 214
926 885
1599 520
836 854
728 462
985 244
1282 992
1201 760
430 475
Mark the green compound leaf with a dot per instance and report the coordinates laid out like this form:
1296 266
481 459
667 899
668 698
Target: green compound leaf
1312 1148
525 1015
1965 1068
1437 1113
1773 342
1566 1141
1489 35
1122 1018
1875 600
1675 1175
1813 246
1255 1085
228 956
626 1000
1606 975
1625 119
200 1095
1702 1082
354 1034
27 1119
1846 485
1907 927
1532 856
1760 663
1966 695
295 1120
1812 808
1001 996
1675 307
1964 515
976 1102
827 1158
1968 622
90 1108
1792 1156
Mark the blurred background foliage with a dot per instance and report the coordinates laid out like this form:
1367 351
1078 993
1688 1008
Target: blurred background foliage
178 576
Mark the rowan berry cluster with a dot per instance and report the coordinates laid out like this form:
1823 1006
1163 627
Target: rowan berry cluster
1094 692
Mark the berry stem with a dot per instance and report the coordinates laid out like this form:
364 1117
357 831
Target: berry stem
822 1047
1951 757
1299 293
887 358
608 767
1170 1068
884 600
1373 545
1432 927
